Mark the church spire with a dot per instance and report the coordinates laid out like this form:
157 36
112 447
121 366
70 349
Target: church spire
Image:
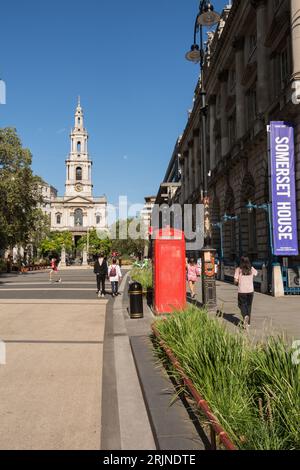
79 116
79 165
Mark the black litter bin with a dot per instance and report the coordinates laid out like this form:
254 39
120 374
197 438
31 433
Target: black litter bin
135 293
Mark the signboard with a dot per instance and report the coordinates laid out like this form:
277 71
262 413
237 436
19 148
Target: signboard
283 189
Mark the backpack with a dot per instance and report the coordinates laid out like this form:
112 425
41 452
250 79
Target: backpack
113 271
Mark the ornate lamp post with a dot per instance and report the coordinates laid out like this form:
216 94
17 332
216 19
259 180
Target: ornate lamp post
206 17
226 218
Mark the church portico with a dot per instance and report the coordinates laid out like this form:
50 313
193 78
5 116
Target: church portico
78 211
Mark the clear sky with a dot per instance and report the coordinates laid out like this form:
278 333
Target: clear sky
125 59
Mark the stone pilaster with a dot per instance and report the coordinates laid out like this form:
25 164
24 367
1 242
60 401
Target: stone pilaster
212 140
263 73
196 158
295 21
238 46
223 77
191 168
186 175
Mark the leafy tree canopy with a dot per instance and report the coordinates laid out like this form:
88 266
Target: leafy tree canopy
131 245
55 242
96 243
19 191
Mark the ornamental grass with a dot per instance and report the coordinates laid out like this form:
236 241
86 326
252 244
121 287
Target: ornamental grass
253 390
143 276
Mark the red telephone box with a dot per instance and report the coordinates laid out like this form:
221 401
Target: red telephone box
169 271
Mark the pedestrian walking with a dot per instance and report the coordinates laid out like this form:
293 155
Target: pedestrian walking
192 275
54 270
101 271
115 276
244 279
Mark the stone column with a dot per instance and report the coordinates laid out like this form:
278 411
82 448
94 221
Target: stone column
186 177
191 168
196 159
295 13
263 62
240 90
84 257
212 140
223 77
63 257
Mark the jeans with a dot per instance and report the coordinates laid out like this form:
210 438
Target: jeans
114 287
101 281
245 304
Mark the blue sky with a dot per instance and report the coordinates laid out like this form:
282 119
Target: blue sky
125 59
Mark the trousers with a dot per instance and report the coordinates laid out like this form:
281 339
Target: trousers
101 283
245 302
114 287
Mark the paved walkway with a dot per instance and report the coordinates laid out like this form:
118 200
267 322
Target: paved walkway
68 368
50 387
269 315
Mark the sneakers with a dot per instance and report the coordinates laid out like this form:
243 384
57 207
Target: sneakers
246 322
99 295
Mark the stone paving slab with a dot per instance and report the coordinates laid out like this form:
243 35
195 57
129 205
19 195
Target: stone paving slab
270 315
50 388
171 423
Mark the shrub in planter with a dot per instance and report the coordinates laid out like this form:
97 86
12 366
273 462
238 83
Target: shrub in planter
253 390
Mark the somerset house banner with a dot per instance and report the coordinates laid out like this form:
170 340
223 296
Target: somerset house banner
283 189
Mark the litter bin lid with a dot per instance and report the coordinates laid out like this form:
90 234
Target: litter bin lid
135 287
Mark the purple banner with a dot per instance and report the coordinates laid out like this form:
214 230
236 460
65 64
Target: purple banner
285 232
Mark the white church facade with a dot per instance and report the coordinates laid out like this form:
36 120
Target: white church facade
78 211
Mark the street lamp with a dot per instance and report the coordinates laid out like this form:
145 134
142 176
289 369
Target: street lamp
206 17
226 218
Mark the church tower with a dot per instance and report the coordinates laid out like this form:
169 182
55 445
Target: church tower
78 165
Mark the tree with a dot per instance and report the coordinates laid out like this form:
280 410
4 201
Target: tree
55 242
40 230
130 245
19 191
96 243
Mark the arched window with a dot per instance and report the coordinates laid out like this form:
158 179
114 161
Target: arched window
78 218
79 120
58 219
98 219
78 173
78 147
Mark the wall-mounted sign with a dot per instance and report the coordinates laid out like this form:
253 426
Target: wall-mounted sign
283 189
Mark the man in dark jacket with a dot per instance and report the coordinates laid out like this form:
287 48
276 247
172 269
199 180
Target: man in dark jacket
101 271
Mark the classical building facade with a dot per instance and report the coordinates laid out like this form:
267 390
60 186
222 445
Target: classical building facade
252 67
78 211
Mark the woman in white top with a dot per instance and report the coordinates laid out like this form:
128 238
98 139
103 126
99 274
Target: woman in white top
115 276
243 278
